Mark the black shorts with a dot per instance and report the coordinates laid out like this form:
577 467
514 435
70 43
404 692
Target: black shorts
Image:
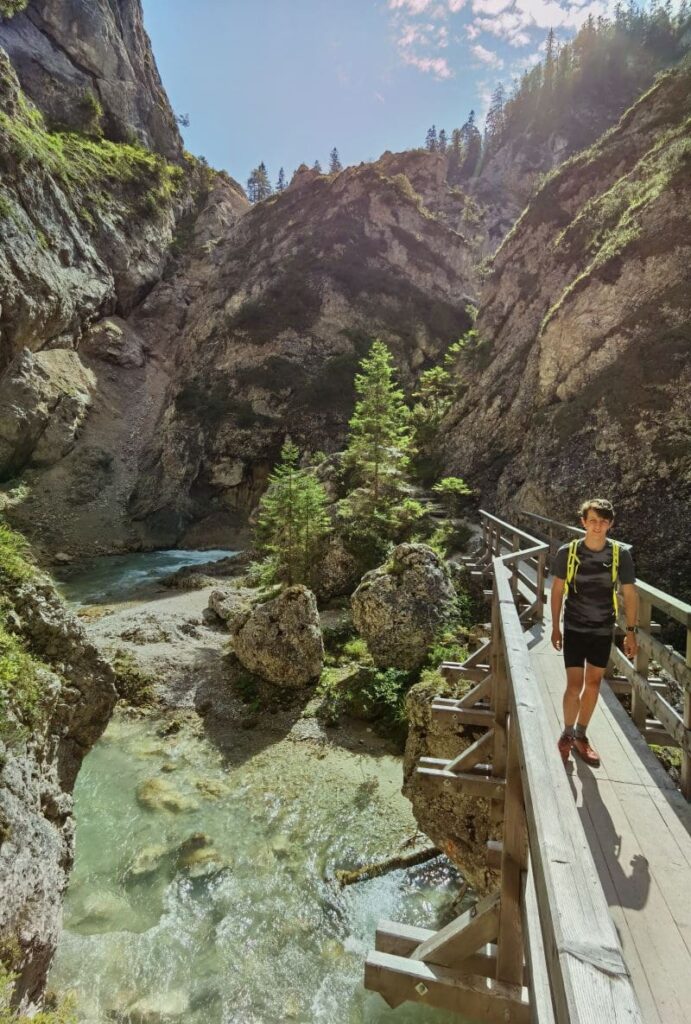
581 647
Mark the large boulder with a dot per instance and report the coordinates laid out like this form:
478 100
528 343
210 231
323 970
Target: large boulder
459 824
398 607
281 640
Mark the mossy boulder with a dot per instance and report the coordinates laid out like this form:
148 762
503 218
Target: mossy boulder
281 640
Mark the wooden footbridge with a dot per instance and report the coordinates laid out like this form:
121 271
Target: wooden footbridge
591 923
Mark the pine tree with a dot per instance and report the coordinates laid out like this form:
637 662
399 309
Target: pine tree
455 152
317 167
379 444
494 122
442 142
472 146
258 184
281 183
431 139
335 164
292 520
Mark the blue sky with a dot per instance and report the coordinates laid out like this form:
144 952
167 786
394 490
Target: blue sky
284 81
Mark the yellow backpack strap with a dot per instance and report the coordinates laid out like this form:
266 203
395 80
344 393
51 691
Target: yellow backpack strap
572 563
616 547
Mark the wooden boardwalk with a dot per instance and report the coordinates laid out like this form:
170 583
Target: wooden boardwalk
638 826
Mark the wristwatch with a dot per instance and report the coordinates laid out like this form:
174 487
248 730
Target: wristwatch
632 629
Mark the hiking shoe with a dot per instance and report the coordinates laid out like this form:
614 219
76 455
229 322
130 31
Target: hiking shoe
586 752
564 746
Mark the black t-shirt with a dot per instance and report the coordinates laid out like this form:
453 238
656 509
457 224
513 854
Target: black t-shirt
589 605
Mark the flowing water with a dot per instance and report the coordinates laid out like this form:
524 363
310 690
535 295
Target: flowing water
203 890
109 578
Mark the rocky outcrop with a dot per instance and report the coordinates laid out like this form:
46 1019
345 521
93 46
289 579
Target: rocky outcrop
281 640
44 399
398 608
458 824
88 65
578 382
38 768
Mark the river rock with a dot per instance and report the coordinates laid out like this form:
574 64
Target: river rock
158 795
146 862
398 607
158 1008
281 640
338 571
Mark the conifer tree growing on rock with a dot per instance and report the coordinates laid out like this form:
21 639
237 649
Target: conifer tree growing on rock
281 183
258 184
431 142
335 165
292 521
377 456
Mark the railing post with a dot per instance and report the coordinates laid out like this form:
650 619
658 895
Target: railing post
540 586
500 696
639 709
514 860
686 715
514 569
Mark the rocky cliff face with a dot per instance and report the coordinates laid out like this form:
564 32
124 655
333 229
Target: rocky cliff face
88 64
580 382
294 293
38 768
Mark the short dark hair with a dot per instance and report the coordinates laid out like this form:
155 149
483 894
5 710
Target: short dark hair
601 506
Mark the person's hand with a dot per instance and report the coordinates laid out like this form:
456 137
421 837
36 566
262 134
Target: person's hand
630 646
556 638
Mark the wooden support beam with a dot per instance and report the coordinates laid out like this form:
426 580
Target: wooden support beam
489 788
494 848
452 671
670 719
464 716
472 754
399 979
402 940
463 936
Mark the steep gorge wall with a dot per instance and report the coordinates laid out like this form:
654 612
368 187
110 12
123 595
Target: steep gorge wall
54 713
580 381
76 56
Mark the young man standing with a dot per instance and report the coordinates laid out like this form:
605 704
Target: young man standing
588 571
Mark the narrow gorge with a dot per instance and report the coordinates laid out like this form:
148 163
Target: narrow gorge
242 449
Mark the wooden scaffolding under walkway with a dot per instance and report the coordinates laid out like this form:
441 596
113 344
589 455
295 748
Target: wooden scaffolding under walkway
592 920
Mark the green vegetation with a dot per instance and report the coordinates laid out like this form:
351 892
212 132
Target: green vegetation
378 453
134 684
94 170
292 523
8 8
22 676
61 1014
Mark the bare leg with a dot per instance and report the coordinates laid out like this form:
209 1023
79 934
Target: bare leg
572 697
591 691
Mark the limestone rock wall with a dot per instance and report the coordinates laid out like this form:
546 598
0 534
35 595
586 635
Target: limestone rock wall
37 772
74 54
580 383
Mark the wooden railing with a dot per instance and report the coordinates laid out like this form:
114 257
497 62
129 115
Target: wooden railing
657 666
542 948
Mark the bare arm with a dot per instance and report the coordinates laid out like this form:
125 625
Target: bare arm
556 602
630 596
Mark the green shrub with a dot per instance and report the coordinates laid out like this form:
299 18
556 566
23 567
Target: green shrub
8 8
63 1013
134 684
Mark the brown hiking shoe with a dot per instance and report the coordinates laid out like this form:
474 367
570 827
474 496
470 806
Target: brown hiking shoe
564 746
586 752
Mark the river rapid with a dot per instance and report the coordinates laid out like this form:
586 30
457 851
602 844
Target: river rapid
203 889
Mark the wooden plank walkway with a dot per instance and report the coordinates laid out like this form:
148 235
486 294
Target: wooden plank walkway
639 829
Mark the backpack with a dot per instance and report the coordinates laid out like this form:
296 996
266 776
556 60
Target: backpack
573 562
